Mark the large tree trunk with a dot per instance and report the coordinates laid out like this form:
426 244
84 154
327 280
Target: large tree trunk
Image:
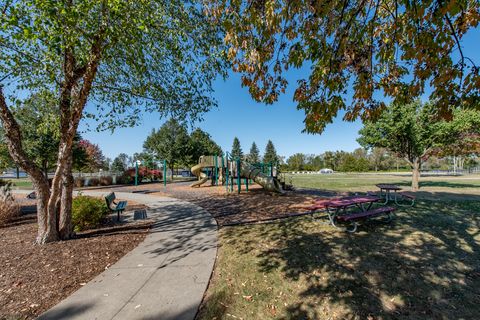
47 220
415 174
65 226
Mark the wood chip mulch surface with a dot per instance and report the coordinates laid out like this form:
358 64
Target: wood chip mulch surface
34 278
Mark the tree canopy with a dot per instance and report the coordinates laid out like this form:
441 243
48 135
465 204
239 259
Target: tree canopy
201 143
395 49
120 163
170 142
124 57
38 121
414 131
296 161
95 160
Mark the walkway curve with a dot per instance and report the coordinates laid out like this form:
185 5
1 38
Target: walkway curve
165 277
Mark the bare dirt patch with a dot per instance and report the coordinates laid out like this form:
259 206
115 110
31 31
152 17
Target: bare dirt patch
34 278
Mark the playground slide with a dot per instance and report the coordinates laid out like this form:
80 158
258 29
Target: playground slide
197 171
268 183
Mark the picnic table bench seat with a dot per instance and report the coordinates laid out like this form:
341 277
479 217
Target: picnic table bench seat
408 195
366 214
114 206
318 205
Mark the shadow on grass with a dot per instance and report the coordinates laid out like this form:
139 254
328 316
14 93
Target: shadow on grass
426 265
442 184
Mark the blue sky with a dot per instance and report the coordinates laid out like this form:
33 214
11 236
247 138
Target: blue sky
238 115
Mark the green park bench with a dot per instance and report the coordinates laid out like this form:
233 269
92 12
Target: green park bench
113 206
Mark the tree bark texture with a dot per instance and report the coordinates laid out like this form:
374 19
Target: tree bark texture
415 174
65 226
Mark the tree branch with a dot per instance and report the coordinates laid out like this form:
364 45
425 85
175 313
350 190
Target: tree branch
13 137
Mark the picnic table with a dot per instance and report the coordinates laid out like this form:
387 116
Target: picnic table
386 191
337 210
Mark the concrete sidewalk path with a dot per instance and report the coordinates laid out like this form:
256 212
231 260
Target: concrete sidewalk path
163 278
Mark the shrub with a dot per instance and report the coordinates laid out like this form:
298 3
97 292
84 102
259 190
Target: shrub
131 173
8 211
79 182
143 173
106 181
87 212
156 175
93 182
124 179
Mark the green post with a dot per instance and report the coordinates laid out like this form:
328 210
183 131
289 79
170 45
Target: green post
246 184
239 181
223 165
216 170
226 174
164 173
136 173
227 171
271 169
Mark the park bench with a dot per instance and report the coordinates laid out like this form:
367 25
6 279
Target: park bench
113 206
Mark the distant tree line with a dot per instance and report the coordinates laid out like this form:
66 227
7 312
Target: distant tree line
377 159
357 161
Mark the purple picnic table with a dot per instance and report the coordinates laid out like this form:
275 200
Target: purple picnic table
364 203
388 188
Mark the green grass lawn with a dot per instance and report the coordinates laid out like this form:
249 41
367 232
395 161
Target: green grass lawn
425 264
22 183
354 182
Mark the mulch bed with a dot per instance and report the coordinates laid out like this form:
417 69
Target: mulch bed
34 278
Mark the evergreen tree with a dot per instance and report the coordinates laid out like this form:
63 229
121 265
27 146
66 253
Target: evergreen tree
270 153
254 155
236 149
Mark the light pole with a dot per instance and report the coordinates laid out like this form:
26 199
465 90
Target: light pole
136 171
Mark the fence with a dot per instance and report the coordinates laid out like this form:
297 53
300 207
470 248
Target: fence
459 172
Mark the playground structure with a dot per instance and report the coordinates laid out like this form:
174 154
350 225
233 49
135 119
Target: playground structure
215 164
228 171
